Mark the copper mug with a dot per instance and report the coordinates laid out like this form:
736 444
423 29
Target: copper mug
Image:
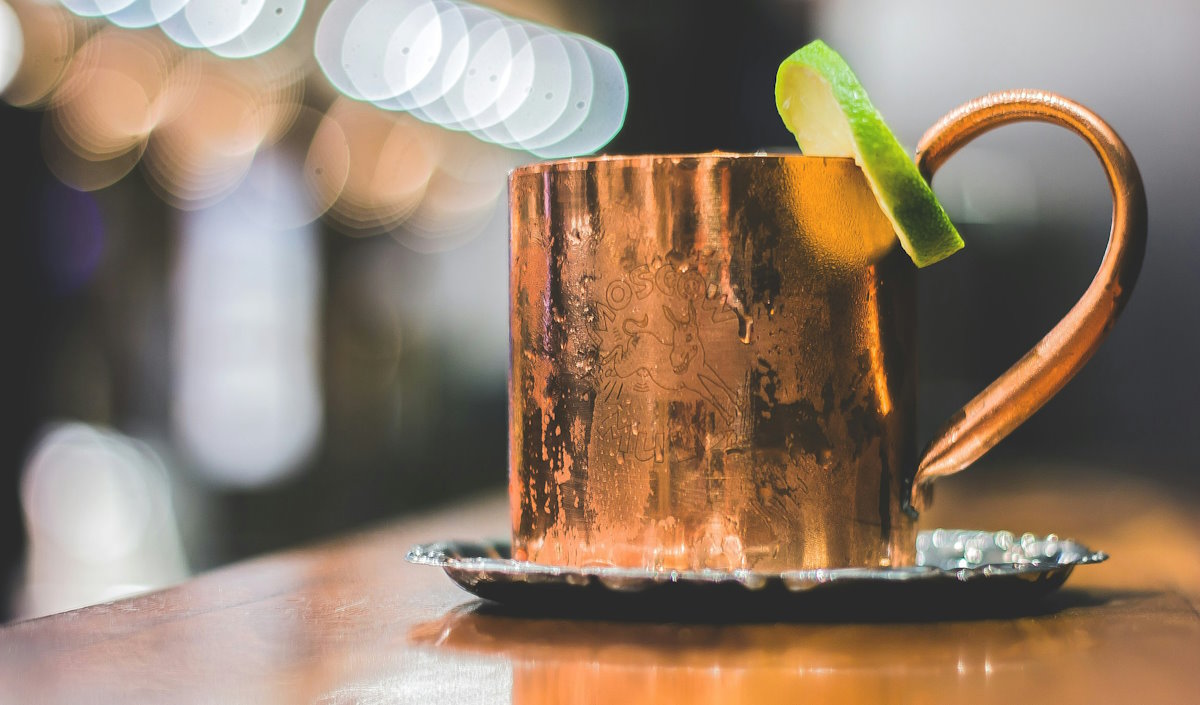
713 357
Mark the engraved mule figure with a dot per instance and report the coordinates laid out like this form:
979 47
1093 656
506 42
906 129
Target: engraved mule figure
673 362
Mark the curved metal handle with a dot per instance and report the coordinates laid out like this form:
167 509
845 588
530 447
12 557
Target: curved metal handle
1037 376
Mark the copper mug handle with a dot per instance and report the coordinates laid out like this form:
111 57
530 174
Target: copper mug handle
1042 372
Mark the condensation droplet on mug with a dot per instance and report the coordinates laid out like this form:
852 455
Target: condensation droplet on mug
745 329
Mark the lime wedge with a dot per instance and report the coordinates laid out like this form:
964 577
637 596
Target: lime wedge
826 108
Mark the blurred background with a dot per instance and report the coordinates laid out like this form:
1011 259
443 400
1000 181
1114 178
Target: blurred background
258 299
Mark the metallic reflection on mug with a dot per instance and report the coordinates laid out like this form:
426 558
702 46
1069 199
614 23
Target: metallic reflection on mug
709 380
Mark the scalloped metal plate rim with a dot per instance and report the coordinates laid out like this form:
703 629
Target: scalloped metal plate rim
946 554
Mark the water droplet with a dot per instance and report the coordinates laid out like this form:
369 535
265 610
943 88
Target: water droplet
492 78
1003 540
745 329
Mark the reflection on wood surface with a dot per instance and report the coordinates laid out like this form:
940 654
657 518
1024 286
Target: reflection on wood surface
1053 656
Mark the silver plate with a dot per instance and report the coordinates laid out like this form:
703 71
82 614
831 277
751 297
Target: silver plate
956 570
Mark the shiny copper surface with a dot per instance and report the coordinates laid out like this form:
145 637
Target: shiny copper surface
712 365
1027 385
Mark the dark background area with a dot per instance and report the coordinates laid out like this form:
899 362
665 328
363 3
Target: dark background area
701 77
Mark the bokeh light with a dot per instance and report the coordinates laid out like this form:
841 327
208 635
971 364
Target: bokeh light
109 98
100 520
463 194
49 40
227 28
448 59
12 45
247 406
316 148
326 160
209 23
540 86
275 21
80 171
438 100
201 154
462 67
87 494
385 64
391 159
141 13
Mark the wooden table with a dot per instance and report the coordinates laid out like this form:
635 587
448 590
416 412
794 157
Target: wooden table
350 622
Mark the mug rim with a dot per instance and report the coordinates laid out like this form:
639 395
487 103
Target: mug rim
677 159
